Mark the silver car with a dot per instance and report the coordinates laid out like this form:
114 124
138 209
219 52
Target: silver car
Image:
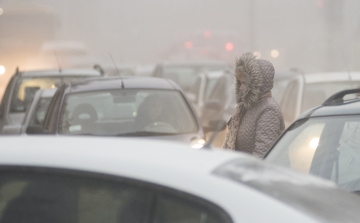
23 85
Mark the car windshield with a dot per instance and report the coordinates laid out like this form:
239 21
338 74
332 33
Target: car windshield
326 146
26 88
315 94
127 112
185 76
39 115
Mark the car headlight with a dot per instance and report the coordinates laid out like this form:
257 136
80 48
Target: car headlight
197 143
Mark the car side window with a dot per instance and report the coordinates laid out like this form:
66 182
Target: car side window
178 210
63 198
289 102
44 195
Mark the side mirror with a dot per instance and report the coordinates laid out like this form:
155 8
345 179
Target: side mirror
215 126
35 130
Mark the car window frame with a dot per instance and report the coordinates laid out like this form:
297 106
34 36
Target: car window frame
6 100
52 113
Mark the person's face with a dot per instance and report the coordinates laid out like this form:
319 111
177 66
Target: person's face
241 78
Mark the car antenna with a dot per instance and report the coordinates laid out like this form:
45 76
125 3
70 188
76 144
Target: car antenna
112 59
17 71
117 70
57 61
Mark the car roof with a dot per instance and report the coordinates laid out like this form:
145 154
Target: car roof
331 77
122 82
194 63
175 166
350 108
60 72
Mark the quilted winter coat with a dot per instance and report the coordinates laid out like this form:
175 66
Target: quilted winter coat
260 122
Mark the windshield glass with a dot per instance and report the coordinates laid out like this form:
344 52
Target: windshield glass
316 94
26 88
328 147
185 76
127 112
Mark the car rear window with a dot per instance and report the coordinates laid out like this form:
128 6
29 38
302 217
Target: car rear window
130 112
37 194
26 87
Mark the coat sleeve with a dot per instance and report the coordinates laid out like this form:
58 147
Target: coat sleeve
268 129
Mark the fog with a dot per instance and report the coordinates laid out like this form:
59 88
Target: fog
312 35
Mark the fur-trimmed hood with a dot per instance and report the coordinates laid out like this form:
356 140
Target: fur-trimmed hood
259 78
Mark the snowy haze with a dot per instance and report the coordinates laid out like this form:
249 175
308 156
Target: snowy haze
135 31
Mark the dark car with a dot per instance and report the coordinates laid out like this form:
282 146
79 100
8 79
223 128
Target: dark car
185 73
23 85
325 141
127 106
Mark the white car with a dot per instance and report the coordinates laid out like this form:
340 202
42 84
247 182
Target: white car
306 91
23 85
59 179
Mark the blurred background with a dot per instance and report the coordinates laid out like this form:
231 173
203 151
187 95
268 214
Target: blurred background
310 36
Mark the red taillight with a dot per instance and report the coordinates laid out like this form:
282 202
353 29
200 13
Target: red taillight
188 45
229 46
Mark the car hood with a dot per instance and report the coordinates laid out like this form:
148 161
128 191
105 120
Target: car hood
317 197
183 138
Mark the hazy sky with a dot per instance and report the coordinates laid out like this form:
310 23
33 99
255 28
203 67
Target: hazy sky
140 31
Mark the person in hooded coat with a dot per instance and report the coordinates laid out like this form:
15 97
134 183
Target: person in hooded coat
258 121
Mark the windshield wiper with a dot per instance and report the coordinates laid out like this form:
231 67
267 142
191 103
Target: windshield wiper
146 133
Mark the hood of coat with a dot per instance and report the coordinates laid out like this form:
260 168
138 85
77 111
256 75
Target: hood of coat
259 79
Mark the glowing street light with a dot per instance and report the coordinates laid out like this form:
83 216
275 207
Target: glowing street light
320 3
314 143
275 53
2 70
257 54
